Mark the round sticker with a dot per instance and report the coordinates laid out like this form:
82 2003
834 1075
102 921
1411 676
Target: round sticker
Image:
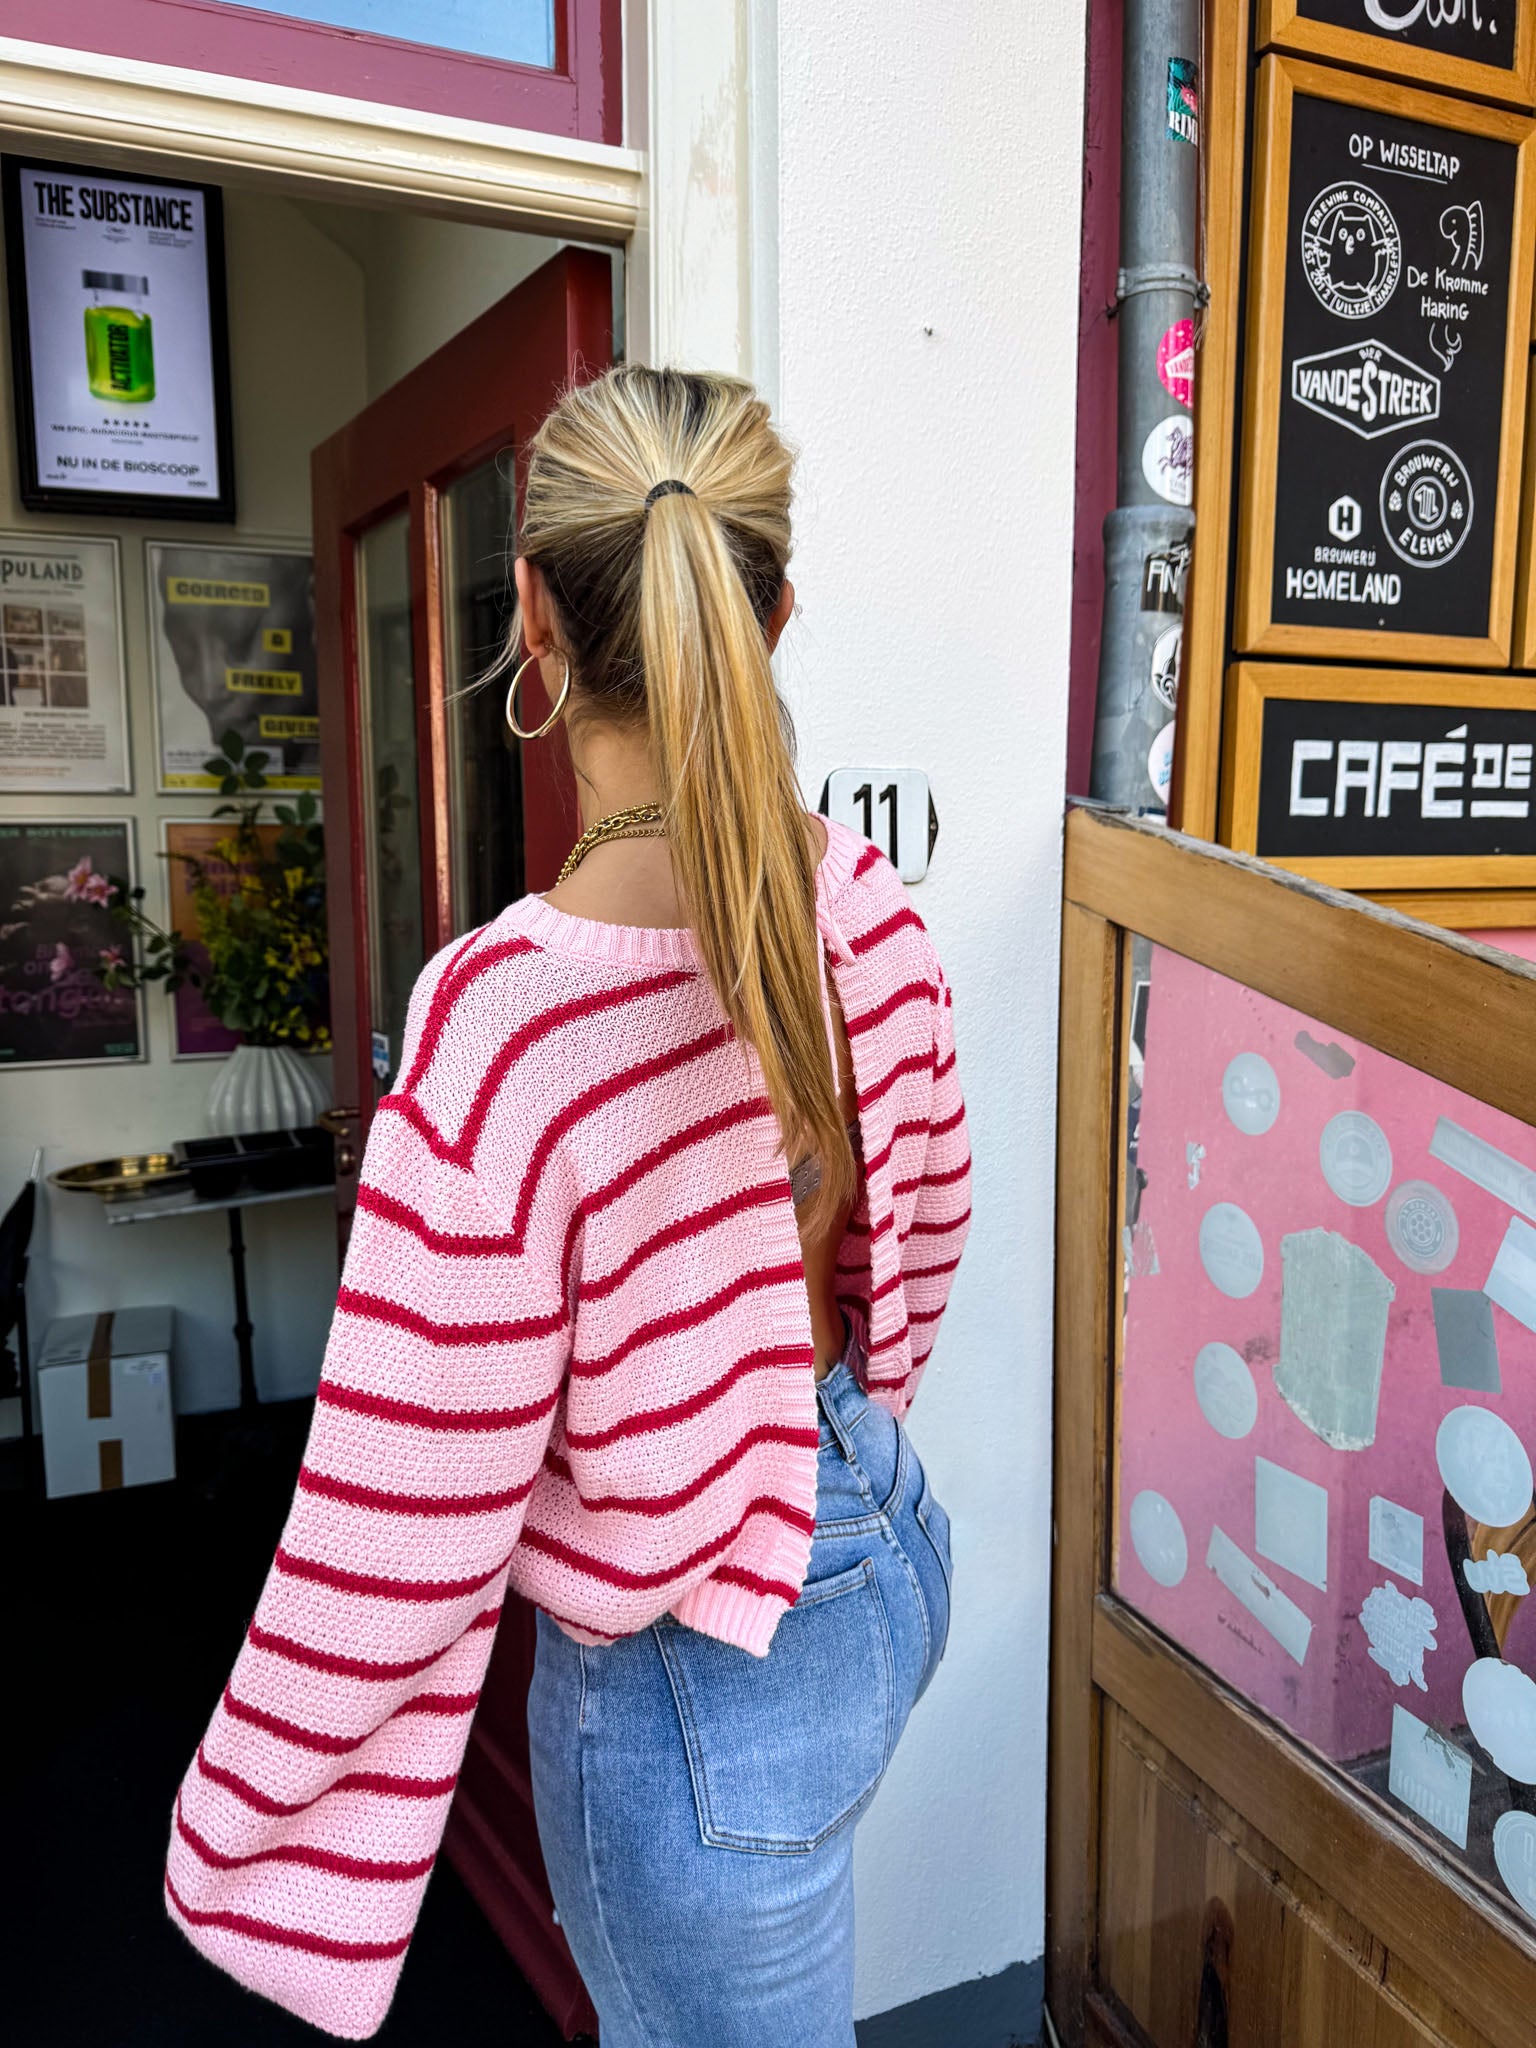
1165 665
1157 1535
1426 503
1168 458
1224 1387
1160 763
1499 1702
1176 361
1356 1158
1231 1250
1484 1465
1514 1851
1421 1227
1351 250
1250 1093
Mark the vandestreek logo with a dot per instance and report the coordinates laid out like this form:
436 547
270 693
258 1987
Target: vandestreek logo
1366 387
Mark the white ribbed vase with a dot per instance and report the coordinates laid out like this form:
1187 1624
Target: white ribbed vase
266 1088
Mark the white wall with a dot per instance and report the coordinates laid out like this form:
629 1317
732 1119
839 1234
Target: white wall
928 379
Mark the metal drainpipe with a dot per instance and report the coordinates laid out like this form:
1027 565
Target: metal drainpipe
1147 537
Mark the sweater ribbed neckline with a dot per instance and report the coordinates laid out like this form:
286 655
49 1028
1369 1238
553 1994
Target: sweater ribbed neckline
634 945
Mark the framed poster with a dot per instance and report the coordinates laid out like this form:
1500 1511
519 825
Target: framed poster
196 1034
1382 778
56 892
63 693
1525 594
1389 311
1486 47
119 342
232 641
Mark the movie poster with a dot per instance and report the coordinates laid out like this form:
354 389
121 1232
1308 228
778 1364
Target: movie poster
232 635
119 349
63 704
57 887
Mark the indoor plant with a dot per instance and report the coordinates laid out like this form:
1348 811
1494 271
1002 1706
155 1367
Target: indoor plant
259 902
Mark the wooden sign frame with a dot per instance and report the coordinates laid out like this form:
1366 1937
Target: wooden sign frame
1525 577
1251 685
1256 632
1281 27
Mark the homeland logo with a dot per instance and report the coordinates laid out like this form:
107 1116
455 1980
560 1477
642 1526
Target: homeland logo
1366 387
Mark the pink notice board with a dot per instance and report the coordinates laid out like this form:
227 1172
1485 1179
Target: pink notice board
1267 1483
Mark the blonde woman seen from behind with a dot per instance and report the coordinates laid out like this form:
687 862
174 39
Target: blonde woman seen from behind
654 1234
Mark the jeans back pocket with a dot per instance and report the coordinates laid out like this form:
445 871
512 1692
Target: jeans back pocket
783 1749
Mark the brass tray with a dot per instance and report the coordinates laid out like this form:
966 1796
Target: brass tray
137 1173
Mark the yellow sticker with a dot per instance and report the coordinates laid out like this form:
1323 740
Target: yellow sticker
274 728
276 640
265 682
198 590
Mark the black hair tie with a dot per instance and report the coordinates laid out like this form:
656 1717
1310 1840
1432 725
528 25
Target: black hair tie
662 490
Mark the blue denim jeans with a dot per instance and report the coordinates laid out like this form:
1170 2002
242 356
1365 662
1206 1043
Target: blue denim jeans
696 1804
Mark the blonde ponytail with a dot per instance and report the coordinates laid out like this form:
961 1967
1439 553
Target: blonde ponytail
663 607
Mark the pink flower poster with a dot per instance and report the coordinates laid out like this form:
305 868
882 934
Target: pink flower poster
58 883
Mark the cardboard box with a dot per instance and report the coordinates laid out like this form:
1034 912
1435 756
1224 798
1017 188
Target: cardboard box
104 1397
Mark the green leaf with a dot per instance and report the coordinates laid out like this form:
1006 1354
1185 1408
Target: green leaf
233 745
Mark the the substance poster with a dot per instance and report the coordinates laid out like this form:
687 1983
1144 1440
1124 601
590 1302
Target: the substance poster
58 883
63 706
232 631
198 1033
123 353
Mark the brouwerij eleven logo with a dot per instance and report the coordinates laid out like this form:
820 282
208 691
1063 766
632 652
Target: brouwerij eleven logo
1367 387
1351 250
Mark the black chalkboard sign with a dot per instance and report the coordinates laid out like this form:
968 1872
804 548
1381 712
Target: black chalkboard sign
1483 31
1351 772
1379 493
1359 779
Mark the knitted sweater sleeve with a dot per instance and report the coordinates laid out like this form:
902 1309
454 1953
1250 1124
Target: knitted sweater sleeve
942 1212
307 1825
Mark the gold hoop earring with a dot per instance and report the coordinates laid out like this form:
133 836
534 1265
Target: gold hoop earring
538 731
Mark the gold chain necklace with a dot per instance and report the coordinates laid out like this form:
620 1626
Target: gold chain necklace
639 821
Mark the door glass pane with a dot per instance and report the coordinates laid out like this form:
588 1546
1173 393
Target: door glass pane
485 801
392 821
1327 1408
518 31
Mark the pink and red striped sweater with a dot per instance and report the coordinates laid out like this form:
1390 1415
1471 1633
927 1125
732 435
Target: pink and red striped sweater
571 1354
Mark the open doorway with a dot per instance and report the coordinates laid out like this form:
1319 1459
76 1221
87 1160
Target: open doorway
136 1595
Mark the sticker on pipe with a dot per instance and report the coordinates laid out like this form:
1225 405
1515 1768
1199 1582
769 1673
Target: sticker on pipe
1168 459
1166 650
1225 1389
1157 1537
1250 1093
1176 361
1231 1250
1160 764
1356 1158
1486 1469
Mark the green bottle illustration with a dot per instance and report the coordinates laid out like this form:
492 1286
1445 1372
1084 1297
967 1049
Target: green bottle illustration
119 339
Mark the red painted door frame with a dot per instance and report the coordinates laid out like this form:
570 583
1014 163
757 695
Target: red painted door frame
484 391
582 95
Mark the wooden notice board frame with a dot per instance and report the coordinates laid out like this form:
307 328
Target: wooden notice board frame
1282 27
1525 594
1251 685
1281 79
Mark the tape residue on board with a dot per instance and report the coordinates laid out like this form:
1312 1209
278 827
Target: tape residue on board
1397 1539
1514 1851
1398 1631
1231 1250
1499 1701
1250 1094
1512 1280
1485 1467
1430 1775
1157 1537
1496 1572
1225 1390
1333 1333
1422 1227
1484 1165
1466 1340
1332 1058
1259 1594
1290 1521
